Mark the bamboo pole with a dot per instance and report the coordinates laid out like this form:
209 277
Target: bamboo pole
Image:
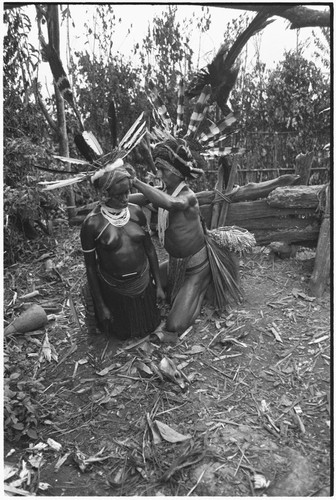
218 199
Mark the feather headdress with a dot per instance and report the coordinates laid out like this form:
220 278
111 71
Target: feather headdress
104 162
203 137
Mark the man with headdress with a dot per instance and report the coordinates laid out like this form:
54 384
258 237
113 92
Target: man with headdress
120 259
182 233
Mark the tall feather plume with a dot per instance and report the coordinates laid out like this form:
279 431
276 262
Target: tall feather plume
138 124
88 145
222 72
145 150
60 77
199 111
216 129
83 148
180 107
159 105
112 119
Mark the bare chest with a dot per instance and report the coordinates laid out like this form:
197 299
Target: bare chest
112 238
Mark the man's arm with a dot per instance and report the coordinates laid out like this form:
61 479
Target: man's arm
138 199
164 200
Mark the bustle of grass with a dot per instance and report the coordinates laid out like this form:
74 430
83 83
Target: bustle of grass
234 238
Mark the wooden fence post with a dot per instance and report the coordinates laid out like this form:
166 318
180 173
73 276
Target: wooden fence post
303 163
229 187
321 270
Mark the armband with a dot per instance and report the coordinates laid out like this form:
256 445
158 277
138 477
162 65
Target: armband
88 251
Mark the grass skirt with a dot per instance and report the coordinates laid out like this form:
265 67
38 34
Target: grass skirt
135 316
225 274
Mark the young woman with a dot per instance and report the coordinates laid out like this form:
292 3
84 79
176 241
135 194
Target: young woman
121 262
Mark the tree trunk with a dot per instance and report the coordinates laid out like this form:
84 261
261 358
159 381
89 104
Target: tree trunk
299 16
303 163
54 40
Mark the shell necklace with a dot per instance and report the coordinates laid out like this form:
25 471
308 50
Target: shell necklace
117 219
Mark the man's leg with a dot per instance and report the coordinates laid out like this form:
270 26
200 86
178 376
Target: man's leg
188 302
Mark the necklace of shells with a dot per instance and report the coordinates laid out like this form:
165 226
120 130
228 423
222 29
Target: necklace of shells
117 219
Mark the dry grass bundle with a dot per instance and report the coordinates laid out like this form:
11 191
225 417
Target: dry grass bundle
233 238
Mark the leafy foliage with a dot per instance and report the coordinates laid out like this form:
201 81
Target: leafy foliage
104 82
20 57
27 141
287 99
21 411
322 44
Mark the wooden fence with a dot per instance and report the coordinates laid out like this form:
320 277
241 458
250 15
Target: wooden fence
269 155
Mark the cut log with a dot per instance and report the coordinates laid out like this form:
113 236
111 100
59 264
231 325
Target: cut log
303 163
251 191
257 190
295 225
250 211
306 237
295 196
321 270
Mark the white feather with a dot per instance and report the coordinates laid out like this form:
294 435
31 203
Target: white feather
72 160
111 166
92 142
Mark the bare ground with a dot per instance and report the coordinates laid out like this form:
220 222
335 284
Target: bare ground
241 401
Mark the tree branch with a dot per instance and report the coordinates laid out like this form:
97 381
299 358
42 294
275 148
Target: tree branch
298 16
51 122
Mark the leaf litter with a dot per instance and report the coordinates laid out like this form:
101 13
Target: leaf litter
210 415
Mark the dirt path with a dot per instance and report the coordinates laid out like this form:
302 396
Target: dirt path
248 404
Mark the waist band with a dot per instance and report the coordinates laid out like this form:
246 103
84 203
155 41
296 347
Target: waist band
127 285
198 261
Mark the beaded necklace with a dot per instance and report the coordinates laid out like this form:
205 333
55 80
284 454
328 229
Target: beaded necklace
117 219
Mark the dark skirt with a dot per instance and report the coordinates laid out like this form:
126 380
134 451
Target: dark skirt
132 316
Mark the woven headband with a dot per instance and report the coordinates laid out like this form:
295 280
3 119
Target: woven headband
170 167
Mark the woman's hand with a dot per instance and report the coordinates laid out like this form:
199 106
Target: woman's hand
104 317
160 295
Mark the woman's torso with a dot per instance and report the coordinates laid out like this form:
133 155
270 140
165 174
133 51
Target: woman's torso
120 250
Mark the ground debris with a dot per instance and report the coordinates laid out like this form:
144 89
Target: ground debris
231 399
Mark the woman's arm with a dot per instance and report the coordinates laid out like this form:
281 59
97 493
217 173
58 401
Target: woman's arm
164 200
90 259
